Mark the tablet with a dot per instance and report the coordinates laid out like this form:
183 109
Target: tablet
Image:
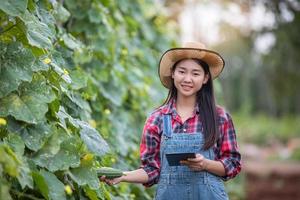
175 158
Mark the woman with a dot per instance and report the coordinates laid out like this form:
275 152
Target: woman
188 121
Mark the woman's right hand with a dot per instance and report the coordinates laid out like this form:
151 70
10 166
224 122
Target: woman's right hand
113 181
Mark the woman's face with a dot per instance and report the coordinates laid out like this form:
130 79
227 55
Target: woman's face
189 77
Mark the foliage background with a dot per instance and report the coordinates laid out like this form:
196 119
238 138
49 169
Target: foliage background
76 83
78 78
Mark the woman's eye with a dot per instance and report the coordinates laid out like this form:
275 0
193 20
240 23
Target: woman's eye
181 72
196 74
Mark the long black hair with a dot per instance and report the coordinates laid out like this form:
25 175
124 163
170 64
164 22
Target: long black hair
207 107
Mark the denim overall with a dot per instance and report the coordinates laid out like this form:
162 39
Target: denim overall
179 182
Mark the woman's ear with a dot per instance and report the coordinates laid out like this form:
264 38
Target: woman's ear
206 77
172 74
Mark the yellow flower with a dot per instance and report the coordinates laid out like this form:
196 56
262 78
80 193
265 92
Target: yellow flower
3 121
93 123
68 189
47 60
66 72
88 157
107 111
113 160
124 52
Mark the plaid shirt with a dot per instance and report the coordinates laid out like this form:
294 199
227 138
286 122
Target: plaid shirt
226 149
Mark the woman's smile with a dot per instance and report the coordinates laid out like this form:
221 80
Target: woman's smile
186 87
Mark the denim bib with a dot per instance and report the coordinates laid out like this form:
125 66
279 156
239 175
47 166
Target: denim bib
179 182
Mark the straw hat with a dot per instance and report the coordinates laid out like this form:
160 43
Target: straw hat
189 50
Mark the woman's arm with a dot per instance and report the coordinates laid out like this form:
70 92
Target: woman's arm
135 176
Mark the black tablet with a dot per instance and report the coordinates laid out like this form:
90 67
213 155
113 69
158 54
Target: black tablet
175 158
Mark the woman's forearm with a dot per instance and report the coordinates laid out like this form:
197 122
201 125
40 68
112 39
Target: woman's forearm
215 167
135 176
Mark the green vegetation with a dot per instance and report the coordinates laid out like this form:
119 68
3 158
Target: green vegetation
74 92
77 79
262 129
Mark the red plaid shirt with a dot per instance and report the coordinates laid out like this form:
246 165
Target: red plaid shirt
226 149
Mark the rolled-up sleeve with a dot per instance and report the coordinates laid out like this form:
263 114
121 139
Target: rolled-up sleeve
229 154
150 149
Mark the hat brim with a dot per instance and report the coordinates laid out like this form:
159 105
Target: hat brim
214 60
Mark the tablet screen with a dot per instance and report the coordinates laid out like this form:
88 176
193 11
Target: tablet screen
175 158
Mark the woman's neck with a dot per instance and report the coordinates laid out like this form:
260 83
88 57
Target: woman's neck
186 102
185 107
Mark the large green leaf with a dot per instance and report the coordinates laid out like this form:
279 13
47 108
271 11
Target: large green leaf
85 176
25 177
9 162
34 136
39 65
38 32
30 103
16 143
16 66
13 7
61 14
93 139
52 145
50 187
62 115
79 78
70 41
4 190
67 156
41 184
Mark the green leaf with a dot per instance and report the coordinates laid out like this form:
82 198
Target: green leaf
71 42
13 7
61 14
95 194
96 13
9 160
114 90
93 139
79 78
4 190
16 143
39 65
50 187
34 136
62 115
16 66
41 184
57 65
24 177
30 104
52 145
38 33
85 176
67 156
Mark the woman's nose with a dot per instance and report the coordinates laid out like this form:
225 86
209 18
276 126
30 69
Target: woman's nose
187 78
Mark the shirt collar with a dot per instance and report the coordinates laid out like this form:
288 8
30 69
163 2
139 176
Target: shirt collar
170 108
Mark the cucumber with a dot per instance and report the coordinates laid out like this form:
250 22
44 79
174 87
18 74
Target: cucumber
109 172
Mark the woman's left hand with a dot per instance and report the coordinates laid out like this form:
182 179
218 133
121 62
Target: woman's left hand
199 163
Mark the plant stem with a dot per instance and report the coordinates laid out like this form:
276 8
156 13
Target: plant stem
25 195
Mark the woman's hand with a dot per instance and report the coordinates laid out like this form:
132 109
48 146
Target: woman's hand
199 163
113 181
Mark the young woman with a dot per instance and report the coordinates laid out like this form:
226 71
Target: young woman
188 121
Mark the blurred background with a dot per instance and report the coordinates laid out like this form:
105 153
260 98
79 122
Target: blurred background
259 86
78 79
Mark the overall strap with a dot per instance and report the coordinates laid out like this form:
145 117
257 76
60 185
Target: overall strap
167 125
